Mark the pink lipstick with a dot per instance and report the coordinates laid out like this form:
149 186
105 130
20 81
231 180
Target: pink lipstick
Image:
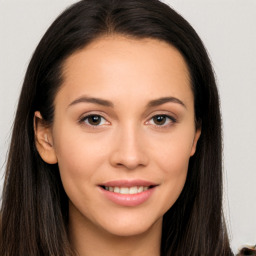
128 192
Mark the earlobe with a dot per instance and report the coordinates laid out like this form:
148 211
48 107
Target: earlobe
196 138
43 140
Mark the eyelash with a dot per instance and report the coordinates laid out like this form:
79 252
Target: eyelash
169 119
85 120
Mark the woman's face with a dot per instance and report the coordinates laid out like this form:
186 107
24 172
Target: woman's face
123 133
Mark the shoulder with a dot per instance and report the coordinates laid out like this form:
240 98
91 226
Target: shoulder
246 251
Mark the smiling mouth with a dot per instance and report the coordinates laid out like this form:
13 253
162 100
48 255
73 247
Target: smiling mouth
128 190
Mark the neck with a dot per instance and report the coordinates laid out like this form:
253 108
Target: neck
90 240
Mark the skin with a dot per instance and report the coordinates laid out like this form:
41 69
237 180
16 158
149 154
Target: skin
128 143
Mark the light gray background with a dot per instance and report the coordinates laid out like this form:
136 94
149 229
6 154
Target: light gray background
228 29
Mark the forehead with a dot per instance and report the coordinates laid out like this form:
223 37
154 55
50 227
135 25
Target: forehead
117 64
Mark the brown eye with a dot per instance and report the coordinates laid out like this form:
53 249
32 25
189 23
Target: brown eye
94 120
160 120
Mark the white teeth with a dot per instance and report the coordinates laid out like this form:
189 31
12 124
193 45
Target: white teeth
133 190
126 190
140 189
116 189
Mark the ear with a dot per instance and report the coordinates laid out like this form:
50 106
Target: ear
44 139
196 138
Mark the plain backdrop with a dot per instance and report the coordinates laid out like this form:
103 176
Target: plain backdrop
228 29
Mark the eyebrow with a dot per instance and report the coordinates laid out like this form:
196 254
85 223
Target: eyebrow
160 101
98 101
106 103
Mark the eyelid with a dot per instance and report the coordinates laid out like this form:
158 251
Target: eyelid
172 120
85 116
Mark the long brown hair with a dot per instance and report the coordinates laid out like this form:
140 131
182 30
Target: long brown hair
34 213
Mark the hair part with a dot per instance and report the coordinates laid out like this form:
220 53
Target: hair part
35 206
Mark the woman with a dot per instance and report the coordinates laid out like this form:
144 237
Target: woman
116 147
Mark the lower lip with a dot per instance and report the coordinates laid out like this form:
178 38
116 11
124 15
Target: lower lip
128 199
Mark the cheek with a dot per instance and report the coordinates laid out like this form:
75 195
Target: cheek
174 178
172 158
75 150
174 152
77 159
174 166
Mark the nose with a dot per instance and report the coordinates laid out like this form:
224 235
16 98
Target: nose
129 150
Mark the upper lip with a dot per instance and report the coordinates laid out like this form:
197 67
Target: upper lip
128 183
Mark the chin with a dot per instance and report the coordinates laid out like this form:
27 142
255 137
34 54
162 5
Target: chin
125 227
